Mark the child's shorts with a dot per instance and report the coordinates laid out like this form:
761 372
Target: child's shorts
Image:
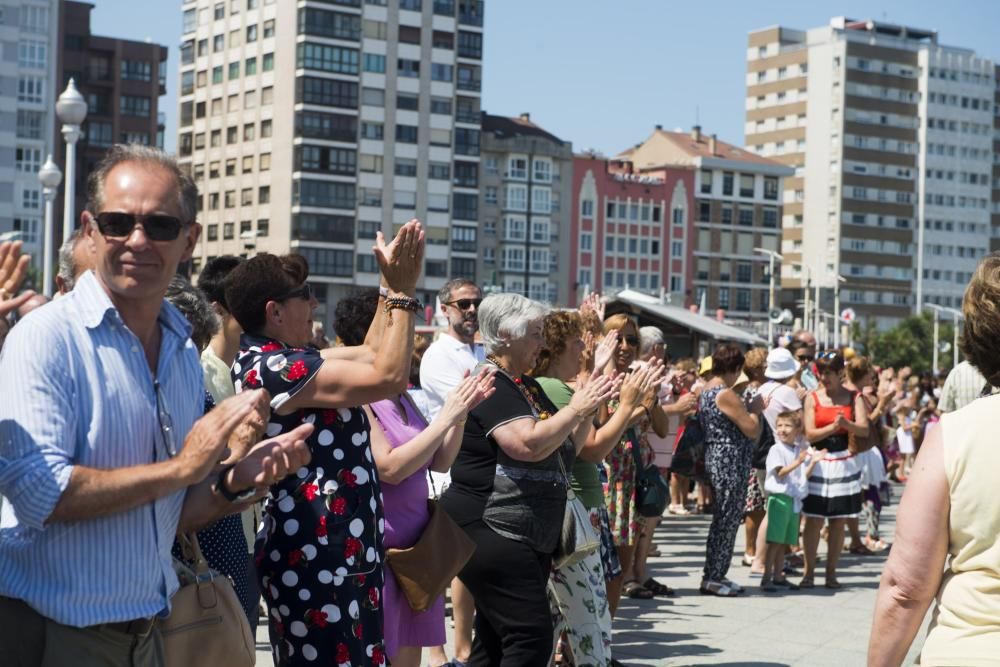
782 520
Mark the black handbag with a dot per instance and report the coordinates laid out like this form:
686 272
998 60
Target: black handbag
764 442
652 493
689 454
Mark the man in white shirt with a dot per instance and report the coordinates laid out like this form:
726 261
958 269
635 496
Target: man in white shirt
455 351
443 366
963 385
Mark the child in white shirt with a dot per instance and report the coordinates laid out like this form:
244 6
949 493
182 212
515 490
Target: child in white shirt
786 484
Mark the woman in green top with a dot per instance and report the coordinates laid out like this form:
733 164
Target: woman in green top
578 592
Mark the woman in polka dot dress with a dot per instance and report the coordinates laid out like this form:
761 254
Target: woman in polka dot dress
319 550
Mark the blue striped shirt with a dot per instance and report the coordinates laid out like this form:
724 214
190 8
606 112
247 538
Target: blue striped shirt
77 390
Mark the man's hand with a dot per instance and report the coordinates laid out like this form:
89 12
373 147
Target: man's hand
205 444
13 269
271 461
401 261
248 433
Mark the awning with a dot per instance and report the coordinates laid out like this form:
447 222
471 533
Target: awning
707 326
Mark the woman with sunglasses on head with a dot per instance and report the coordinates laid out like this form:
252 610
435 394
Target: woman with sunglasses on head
619 492
836 420
319 549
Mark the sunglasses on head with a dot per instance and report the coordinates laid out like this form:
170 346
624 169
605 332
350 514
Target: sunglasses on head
465 304
303 292
156 227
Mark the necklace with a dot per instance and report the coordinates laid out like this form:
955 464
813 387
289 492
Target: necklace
530 394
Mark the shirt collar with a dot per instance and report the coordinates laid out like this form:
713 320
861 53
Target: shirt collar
455 343
95 305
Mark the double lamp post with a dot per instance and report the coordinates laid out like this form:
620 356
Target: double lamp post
71 109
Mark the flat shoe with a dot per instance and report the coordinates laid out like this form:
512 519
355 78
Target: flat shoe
785 583
807 582
636 591
718 589
657 588
747 560
833 584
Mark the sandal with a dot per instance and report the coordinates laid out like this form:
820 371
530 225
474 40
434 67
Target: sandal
657 588
807 582
636 591
833 584
785 583
747 560
679 510
718 589
767 585
861 550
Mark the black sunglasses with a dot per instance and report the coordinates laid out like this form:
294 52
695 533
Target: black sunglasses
303 292
464 304
632 341
157 227
804 357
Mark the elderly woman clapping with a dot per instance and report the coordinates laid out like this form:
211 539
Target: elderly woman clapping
949 518
508 491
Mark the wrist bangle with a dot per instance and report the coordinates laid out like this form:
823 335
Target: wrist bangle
409 304
383 292
220 488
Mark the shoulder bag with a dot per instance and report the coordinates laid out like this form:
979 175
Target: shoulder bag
578 538
424 570
689 454
207 624
652 493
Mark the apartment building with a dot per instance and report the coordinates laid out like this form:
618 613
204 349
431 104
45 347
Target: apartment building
310 128
28 74
526 179
122 82
890 136
714 205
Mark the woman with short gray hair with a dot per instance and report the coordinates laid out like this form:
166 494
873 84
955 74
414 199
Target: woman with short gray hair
508 488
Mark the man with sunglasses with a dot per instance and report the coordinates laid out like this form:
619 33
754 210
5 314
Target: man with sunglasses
442 368
103 456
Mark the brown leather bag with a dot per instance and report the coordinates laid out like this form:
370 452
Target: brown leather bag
207 624
424 570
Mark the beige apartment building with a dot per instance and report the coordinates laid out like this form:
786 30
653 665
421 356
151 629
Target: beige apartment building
310 126
890 134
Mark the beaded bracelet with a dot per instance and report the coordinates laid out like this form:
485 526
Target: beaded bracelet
400 303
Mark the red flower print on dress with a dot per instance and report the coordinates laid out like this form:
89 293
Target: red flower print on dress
270 347
295 557
343 653
360 580
358 630
373 597
310 491
338 506
321 528
378 657
251 379
352 547
348 478
316 617
297 371
329 417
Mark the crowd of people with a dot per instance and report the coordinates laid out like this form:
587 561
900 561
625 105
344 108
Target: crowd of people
139 407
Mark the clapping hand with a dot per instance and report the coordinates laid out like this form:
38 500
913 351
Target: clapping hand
596 390
249 432
400 261
593 303
605 351
271 461
13 270
639 385
470 392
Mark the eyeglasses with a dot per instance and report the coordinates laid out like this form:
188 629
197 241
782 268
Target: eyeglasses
165 421
631 341
303 292
464 304
804 357
156 227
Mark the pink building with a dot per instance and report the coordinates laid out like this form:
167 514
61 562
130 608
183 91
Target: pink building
630 229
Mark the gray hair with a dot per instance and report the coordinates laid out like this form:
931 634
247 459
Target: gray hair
506 316
444 294
119 153
67 267
649 337
194 306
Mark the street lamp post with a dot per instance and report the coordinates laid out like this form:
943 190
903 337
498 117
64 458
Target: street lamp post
50 177
836 311
937 312
71 109
771 256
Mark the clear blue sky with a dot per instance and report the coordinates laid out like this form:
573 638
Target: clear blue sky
602 73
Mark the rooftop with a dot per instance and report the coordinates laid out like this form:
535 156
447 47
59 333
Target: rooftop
507 127
686 149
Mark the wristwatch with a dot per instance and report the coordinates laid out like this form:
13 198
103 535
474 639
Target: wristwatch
220 488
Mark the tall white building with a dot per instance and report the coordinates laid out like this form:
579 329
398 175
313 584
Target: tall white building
890 134
28 30
311 126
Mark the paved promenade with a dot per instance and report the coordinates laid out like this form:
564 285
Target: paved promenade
816 628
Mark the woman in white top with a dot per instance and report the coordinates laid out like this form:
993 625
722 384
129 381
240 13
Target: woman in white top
949 518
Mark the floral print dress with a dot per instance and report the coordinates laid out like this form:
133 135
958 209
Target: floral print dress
619 490
319 549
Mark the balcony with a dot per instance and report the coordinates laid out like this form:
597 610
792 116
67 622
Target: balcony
473 85
468 16
444 7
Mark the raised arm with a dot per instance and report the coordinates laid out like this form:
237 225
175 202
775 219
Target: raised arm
609 434
341 383
732 406
530 440
912 575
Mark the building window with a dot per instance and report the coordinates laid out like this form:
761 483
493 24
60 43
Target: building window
727 183
372 131
676 249
27 160
134 105
32 54
465 206
335 25
374 63
442 72
324 194
322 159
325 58
267 62
328 92
746 216
746 185
31 89
408 68
704 211
770 188
706 183
542 170
470 44
516 198
406 134
137 70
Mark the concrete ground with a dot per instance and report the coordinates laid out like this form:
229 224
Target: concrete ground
815 628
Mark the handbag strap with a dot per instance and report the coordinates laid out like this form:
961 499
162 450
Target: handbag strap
191 551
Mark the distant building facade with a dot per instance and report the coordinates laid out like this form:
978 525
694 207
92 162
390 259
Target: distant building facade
525 191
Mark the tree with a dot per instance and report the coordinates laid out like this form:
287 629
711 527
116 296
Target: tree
909 343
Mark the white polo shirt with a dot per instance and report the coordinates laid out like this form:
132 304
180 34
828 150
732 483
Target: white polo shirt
443 367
